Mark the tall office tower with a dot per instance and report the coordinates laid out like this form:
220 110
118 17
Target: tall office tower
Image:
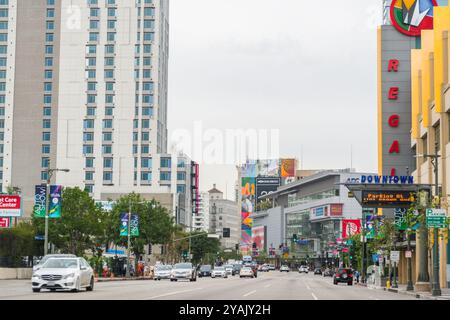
83 86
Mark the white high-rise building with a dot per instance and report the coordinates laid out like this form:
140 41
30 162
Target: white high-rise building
83 86
201 220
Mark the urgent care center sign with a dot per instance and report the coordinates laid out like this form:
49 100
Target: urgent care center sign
10 206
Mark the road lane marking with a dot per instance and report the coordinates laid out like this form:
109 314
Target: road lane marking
307 286
314 296
247 294
172 293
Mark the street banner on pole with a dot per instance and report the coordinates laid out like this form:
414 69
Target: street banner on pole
124 224
54 210
39 201
134 228
10 206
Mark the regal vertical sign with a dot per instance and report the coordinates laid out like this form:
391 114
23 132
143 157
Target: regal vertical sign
394 102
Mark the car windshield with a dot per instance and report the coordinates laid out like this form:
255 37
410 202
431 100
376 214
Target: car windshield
60 263
205 268
183 266
161 268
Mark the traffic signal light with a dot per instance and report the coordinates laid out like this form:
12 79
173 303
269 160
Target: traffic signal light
254 245
295 238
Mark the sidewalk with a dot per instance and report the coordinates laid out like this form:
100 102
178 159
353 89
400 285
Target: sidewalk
121 279
419 295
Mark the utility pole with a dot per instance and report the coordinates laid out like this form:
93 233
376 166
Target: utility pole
129 242
436 287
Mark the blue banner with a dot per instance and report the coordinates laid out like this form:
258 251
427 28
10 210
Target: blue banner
54 210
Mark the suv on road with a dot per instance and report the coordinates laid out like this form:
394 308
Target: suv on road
343 275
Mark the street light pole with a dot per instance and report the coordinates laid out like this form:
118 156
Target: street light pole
409 286
127 275
47 204
436 287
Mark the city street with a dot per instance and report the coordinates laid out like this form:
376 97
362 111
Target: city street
268 286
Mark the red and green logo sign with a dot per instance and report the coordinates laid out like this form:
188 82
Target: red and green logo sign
410 17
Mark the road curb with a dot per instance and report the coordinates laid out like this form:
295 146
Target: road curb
418 295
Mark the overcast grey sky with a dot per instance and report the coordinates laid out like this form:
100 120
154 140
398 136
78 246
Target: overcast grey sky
309 71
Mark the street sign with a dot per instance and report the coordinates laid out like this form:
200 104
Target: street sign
395 256
38 237
436 218
10 206
5 223
408 254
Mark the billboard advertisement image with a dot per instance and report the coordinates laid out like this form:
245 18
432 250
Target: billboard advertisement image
249 169
268 168
265 186
258 237
10 206
350 228
287 168
248 194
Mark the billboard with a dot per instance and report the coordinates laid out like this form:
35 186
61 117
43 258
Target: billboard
258 237
350 228
268 168
265 186
249 169
248 194
287 168
10 206
5 223
54 210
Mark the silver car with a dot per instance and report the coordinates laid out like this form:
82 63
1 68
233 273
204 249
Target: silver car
163 272
219 272
64 274
183 271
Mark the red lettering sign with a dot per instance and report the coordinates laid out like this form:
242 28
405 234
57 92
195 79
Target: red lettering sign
393 93
393 172
395 147
393 65
5 223
394 120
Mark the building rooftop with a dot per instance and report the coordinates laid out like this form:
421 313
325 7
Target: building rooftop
214 190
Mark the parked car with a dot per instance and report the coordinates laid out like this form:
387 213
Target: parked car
220 272
247 272
162 272
272 267
45 258
303 269
265 268
284 269
318 271
205 271
328 273
183 271
63 273
343 275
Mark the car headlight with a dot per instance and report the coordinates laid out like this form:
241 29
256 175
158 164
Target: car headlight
36 276
70 275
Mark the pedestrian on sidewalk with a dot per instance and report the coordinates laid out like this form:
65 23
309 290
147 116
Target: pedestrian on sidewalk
357 276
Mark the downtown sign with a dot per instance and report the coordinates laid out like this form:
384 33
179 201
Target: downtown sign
410 17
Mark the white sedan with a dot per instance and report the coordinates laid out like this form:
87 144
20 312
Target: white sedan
219 272
64 274
246 272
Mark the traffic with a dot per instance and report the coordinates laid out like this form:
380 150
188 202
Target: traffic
71 273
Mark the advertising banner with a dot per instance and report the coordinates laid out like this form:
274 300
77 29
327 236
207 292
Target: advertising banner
249 169
5 223
265 186
387 199
336 210
258 236
370 226
54 210
39 201
10 206
248 194
350 228
124 224
268 168
134 225
287 168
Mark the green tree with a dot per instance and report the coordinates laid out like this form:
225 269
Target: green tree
202 247
19 242
155 223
